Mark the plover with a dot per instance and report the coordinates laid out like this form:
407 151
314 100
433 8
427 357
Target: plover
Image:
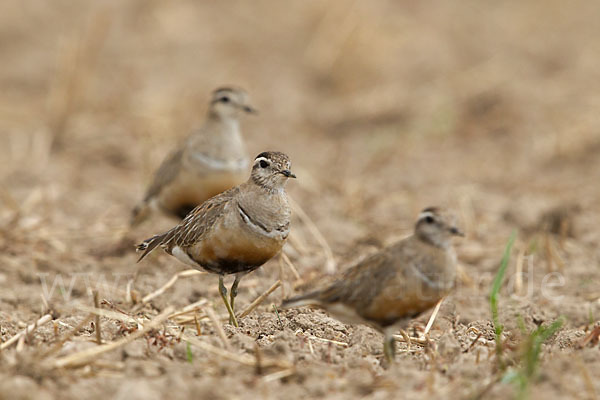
388 288
211 160
236 231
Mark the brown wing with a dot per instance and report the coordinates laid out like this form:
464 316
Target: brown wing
201 219
193 227
165 174
360 283
393 291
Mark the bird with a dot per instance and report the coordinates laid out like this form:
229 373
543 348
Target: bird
237 231
211 160
388 288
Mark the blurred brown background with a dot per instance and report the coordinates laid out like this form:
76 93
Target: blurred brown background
385 107
373 100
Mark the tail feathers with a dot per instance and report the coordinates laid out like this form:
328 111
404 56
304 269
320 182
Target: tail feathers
148 245
309 299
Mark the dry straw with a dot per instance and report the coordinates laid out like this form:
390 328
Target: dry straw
84 357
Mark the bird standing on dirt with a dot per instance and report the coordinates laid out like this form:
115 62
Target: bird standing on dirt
211 160
398 283
236 231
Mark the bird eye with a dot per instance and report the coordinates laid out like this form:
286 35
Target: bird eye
224 99
263 164
429 219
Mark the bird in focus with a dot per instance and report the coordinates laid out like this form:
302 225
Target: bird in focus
399 282
211 160
236 231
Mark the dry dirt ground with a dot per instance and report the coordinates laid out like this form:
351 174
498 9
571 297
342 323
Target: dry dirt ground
385 107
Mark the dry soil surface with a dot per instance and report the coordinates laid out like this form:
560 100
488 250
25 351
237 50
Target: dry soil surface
385 107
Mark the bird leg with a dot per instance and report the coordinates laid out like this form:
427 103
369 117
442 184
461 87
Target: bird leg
223 292
233 293
389 348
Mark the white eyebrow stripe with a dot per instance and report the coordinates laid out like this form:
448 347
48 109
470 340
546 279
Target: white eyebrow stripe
261 159
426 214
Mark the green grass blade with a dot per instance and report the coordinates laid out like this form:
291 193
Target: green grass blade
188 353
494 295
537 338
531 355
277 313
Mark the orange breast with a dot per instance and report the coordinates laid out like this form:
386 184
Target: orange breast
230 250
386 311
405 299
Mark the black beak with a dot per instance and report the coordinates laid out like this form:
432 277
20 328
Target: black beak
457 232
287 173
250 110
